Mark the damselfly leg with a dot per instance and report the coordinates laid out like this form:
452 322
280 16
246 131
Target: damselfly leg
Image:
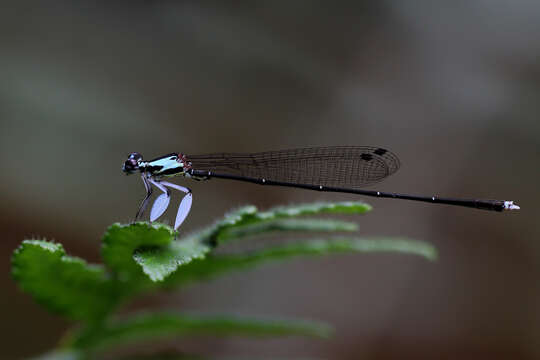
185 204
162 201
144 203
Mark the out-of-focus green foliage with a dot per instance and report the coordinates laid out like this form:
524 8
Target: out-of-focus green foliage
149 326
64 284
144 257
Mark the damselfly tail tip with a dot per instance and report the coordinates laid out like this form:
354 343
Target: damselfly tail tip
509 205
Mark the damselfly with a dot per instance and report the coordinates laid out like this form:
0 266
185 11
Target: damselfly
344 169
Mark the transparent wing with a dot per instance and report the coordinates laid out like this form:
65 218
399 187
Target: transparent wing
349 166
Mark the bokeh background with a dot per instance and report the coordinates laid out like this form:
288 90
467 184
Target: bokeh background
453 88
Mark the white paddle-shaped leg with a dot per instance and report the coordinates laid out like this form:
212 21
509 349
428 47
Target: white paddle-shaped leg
185 204
161 203
183 210
174 186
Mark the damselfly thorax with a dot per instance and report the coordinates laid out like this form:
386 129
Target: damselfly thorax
165 166
344 169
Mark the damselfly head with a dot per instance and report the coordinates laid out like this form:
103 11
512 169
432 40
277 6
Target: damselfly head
132 163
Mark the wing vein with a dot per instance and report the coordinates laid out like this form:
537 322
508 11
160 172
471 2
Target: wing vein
351 166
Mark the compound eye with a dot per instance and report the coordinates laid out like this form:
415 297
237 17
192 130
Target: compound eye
135 156
128 165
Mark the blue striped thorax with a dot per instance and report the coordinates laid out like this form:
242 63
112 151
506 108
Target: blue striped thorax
168 165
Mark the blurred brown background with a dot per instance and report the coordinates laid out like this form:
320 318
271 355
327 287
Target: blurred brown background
452 88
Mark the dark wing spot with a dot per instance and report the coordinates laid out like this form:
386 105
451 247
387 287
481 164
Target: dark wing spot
366 157
380 151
